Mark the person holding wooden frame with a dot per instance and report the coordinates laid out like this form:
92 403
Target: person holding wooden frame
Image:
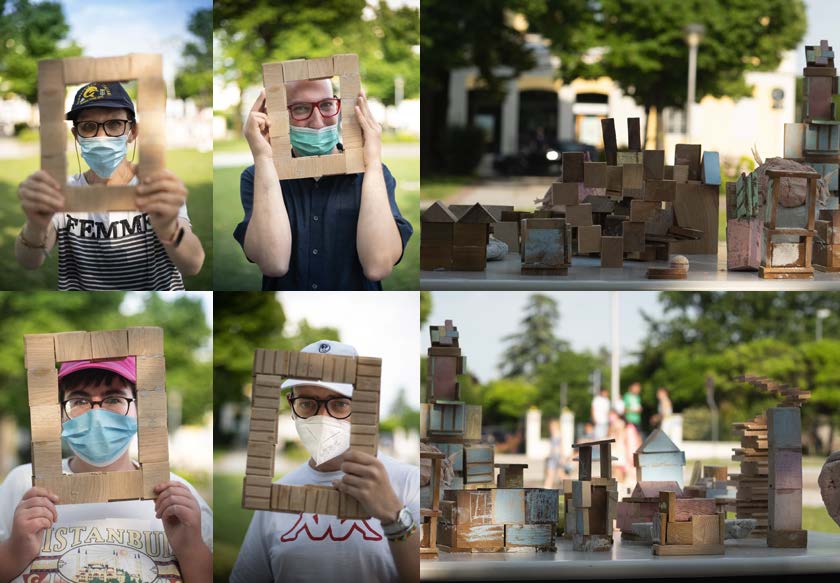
319 205
109 384
345 515
119 225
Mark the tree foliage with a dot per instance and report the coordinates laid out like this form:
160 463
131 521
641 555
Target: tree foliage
535 344
30 32
195 79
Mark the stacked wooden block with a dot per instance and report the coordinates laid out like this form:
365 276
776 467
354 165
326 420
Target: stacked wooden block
42 353
658 459
591 508
53 77
431 513
271 367
752 482
827 241
454 243
633 206
478 513
275 76
816 140
714 483
688 526
642 506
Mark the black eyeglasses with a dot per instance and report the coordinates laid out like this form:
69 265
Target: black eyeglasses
303 109
80 405
336 407
114 128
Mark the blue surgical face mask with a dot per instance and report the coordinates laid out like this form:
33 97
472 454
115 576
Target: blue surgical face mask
99 437
314 142
104 154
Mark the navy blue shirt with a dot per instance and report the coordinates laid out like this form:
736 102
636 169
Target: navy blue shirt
323 215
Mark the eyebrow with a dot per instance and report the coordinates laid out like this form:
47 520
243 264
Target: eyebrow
109 393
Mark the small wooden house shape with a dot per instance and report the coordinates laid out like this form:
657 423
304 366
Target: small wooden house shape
642 506
659 460
592 507
437 236
472 232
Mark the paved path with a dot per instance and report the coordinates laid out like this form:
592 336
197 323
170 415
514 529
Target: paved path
520 191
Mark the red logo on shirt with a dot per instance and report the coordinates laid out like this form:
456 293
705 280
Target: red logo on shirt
317 530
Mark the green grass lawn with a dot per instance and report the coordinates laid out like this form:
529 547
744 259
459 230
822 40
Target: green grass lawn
442 187
193 167
233 272
817 518
230 523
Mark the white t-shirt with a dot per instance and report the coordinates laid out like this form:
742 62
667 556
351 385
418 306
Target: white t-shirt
600 410
113 538
303 547
112 250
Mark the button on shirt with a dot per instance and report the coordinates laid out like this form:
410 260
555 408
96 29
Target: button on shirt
323 215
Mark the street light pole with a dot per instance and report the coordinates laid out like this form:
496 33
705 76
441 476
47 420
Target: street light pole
693 37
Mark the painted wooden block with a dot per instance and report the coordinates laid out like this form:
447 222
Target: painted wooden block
785 510
541 506
785 469
478 463
473 424
480 537
468 507
684 508
629 512
582 522
509 506
784 427
743 244
582 494
446 419
529 535
710 168
442 376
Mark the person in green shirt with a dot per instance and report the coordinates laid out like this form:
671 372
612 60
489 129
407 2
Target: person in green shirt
633 405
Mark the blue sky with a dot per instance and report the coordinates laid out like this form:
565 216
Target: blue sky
108 28
484 318
822 24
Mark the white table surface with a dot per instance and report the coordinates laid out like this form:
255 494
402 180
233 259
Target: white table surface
635 560
706 273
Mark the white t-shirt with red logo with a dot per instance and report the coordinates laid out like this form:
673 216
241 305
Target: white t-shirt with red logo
305 547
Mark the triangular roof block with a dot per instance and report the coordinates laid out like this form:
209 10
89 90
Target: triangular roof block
477 214
652 489
658 442
438 213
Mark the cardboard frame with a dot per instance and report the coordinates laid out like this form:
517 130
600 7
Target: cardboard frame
53 77
271 368
275 76
42 353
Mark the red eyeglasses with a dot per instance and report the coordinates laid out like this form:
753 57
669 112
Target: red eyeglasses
302 110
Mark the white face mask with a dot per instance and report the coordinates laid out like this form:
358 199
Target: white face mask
323 436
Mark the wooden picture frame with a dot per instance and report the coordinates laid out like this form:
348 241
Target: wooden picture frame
271 368
275 76
42 353
53 77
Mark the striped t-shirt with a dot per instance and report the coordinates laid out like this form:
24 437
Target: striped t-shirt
112 251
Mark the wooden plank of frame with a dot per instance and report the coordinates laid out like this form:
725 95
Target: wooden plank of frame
41 354
346 67
270 367
54 75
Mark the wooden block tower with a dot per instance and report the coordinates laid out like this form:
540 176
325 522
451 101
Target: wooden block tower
783 445
592 507
477 514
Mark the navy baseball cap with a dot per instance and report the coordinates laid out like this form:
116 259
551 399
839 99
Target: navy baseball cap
111 95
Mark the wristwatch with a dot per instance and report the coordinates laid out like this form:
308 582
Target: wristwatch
402 527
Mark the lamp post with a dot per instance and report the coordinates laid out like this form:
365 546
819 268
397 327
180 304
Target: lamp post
693 36
822 314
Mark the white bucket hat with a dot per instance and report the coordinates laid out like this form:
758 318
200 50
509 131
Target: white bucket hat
332 348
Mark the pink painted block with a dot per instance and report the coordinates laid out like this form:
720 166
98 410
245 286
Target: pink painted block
743 244
785 469
688 507
444 378
785 510
630 512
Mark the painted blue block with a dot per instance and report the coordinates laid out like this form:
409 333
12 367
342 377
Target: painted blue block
426 496
478 453
825 170
509 506
711 168
529 535
784 427
541 506
446 419
660 474
671 458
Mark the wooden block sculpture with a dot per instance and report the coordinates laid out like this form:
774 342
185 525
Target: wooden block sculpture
642 506
688 526
827 241
54 75
42 353
658 459
787 251
782 442
633 206
271 367
478 513
275 76
454 243
546 246
430 512
592 509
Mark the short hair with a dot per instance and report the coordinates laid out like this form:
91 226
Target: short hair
91 377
